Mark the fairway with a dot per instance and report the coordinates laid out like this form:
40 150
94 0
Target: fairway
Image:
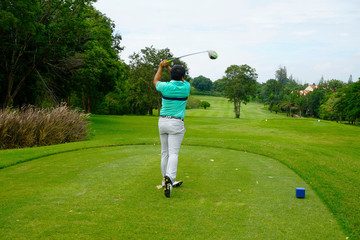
239 179
111 193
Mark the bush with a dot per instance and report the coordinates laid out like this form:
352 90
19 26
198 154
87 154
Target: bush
276 108
192 103
204 104
31 126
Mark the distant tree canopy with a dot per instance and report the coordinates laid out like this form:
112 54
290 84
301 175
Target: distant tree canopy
219 85
202 83
56 51
281 75
286 82
332 84
332 99
67 51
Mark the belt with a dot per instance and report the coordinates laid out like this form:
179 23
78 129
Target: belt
171 117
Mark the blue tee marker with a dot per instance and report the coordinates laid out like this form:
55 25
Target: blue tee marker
300 192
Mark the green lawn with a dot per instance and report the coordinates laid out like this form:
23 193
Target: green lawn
239 178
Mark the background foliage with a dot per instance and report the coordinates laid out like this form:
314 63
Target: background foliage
67 51
57 51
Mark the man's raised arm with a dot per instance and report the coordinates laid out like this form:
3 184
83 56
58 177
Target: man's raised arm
157 77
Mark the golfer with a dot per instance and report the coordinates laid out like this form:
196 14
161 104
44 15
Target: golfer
171 122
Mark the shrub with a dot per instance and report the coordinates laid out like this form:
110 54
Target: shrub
276 108
32 126
192 103
204 104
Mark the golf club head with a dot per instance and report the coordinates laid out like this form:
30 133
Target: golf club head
212 54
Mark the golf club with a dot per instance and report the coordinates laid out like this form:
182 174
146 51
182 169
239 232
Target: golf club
212 55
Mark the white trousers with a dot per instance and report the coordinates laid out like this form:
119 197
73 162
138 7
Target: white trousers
171 135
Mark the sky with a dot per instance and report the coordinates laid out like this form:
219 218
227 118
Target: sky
311 38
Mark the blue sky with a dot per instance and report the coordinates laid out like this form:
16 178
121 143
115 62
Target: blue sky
311 38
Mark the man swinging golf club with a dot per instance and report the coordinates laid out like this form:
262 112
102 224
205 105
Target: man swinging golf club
171 122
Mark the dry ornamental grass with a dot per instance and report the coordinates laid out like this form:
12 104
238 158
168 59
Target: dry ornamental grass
32 126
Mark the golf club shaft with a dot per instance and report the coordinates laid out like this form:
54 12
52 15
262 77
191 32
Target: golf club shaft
185 56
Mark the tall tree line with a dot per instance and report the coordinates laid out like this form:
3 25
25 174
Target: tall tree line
331 100
56 50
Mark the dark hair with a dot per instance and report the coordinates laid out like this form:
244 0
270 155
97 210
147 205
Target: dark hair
177 72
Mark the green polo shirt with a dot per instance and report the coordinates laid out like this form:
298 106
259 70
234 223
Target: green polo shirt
175 94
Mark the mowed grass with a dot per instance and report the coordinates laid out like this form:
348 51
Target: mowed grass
218 108
321 156
111 193
221 108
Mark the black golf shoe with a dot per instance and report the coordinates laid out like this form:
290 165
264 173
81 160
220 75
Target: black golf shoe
168 186
177 183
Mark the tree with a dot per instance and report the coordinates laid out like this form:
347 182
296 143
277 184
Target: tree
276 108
272 92
286 105
202 83
35 36
281 75
301 103
327 109
315 99
350 100
142 95
332 84
240 84
204 104
340 105
218 85
55 48
291 83
101 68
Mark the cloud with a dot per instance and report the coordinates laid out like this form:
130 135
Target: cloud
306 36
323 66
344 34
303 33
